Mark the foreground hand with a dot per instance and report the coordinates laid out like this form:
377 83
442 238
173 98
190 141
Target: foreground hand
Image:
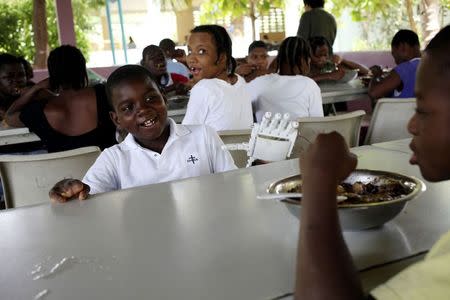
328 158
68 189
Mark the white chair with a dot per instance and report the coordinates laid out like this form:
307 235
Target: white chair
390 119
235 137
27 179
348 125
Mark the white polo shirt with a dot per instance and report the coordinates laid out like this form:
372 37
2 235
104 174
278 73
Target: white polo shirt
297 95
220 105
190 151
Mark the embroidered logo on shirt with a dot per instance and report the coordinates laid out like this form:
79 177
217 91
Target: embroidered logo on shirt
192 159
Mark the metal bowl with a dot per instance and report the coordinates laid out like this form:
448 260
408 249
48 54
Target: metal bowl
358 216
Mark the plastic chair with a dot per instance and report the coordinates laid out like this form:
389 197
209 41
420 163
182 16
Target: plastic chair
348 125
234 137
27 179
390 119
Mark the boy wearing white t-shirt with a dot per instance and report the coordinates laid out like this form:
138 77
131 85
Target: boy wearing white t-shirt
156 149
288 91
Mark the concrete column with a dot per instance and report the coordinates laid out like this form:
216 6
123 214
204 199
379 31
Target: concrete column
66 28
185 22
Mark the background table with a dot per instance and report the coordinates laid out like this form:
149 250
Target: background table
342 92
201 238
10 136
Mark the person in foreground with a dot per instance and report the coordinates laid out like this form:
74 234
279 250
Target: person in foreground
155 150
325 268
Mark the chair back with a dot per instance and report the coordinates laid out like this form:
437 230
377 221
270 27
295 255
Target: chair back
390 119
348 125
27 179
236 137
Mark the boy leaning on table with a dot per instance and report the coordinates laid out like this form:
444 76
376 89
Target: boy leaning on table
155 150
325 268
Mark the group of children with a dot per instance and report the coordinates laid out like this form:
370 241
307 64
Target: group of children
157 150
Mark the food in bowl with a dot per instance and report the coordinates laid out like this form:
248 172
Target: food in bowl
378 190
374 197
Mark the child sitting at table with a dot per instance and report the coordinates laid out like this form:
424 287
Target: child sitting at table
154 60
288 90
398 83
218 99
325 269
63 110
327 67
257 62
12 81
155 150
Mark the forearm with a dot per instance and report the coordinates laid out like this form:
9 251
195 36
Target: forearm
13 113
325 268
352 65
322 77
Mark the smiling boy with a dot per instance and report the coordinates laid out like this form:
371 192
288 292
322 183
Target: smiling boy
155 150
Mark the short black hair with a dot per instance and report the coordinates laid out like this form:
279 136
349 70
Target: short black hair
27 66
314 3
8 59
292 50
318 41
256 44
223 43
405 36
67 68
167 45
149 50
439 48
127 73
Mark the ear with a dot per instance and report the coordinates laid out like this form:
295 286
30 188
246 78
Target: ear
114 118
222 59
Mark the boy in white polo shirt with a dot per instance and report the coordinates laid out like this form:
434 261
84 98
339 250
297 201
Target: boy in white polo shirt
155 150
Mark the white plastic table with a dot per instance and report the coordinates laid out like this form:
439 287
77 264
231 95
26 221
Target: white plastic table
201 238
10 136
342 92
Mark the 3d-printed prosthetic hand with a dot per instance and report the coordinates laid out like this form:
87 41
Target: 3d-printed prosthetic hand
271 140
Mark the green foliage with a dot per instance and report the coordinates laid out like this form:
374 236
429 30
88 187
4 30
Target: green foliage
211 10
16 34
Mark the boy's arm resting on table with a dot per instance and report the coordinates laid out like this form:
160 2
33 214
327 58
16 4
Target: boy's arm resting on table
325 268
12 115
68 189
379 88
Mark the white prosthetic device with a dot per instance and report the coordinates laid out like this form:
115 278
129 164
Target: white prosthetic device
271 140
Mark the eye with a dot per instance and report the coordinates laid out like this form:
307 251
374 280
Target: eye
126 108
201 51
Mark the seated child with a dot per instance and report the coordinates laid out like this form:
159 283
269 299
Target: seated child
174 58
155 150
63 110
257 62
326 67
325 269
154 60
12 81
218 99
399 83
288 90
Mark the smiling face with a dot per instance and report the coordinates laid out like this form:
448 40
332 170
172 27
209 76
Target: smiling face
156 63
429 125
259 58
140 109
12 80
320 57
203 60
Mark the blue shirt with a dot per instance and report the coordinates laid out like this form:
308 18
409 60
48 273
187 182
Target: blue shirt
407 72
